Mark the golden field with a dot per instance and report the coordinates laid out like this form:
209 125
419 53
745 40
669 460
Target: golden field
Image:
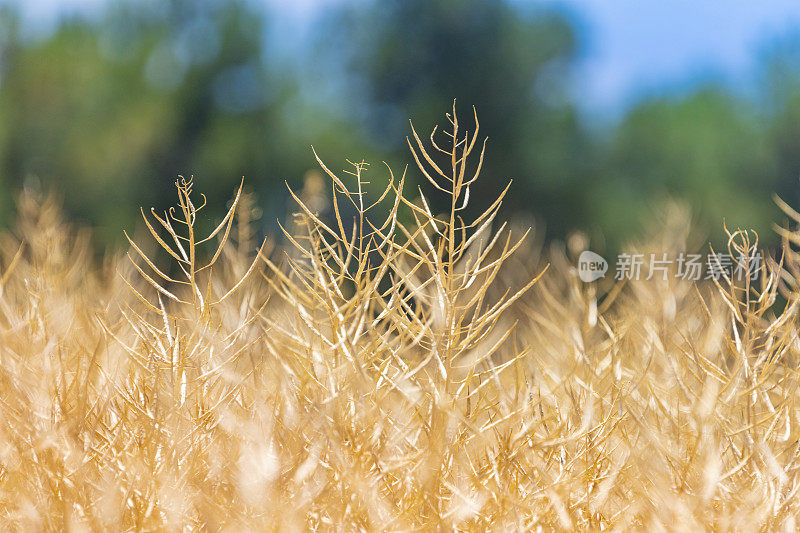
389 367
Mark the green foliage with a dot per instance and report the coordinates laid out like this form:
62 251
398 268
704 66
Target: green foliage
416 56
708 148
108 111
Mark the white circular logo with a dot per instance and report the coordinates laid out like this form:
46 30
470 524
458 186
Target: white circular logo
591 266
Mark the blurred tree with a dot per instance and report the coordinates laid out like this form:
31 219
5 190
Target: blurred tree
411 58
111 111
780 94
710 148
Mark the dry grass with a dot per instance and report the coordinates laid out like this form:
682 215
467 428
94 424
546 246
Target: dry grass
394 369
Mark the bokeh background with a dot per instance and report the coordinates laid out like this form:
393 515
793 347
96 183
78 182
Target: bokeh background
599 110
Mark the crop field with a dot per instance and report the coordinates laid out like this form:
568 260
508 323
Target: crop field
386 366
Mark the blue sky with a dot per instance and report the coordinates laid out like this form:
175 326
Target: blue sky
636 48
631 48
